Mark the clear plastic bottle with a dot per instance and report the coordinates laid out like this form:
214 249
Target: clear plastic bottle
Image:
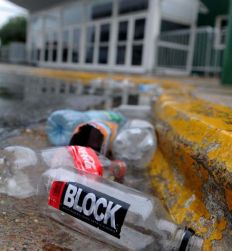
21 167
112 213
135 143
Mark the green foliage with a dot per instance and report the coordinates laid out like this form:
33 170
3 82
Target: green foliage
14 30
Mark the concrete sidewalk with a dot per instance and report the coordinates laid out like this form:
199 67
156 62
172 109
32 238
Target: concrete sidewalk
192 169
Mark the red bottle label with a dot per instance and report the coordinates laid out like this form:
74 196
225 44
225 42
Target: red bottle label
55 194
85 159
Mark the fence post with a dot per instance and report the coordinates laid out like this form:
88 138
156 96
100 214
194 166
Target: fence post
191 49
208 50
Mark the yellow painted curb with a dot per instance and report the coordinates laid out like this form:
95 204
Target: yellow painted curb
192 171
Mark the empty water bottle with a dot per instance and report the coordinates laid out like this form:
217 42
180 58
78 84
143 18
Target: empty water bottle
21 167
135 143
112 213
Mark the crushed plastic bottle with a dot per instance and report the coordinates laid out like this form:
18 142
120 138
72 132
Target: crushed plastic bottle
135 143
98 135
21 167
112 213
61 123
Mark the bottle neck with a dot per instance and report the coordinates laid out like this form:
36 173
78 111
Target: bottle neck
188 241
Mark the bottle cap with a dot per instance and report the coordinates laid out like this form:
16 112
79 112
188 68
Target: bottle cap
121 171
190 241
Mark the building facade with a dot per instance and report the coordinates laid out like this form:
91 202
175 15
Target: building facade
103 35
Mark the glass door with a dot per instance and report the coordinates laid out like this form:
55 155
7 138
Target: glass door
76 45
122 40
130 40
139 26
90 44
103 46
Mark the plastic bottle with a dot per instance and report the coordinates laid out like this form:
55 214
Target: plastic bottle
143 112
107 115
98 135
135 143
61 123
112 213
21 167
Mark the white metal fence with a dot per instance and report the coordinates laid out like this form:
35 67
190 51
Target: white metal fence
192 50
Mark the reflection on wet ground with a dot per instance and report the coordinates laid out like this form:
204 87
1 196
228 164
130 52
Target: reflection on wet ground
25 101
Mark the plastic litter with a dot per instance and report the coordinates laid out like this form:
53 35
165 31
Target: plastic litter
21 167
135 143
98 135
110 116
143 112
112 213
61 124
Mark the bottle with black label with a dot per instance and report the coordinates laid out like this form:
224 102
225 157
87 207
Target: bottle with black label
20 167
112 213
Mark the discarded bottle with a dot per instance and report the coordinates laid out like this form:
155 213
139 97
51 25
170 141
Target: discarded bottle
112 213
61 123
143 112
21 167
135 143
98 135
155 89
108 116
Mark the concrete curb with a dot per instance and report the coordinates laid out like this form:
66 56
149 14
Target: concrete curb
193 168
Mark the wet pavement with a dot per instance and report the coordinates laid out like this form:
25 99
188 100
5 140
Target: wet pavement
23 113
24 108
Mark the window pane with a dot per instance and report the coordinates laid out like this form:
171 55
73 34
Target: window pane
73 14
38 51
75 54
139 29
170 26
137 54
89 54
65 39
76 43
90 35
121 54
122 31
46 46
76 36
103 55
36 23
105 33
102 10
52 20
54 48
127 6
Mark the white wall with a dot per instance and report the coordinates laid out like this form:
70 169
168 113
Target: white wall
181 11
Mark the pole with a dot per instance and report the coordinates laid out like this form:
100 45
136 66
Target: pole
227 64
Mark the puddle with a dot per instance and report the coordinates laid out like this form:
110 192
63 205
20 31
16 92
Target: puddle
25 100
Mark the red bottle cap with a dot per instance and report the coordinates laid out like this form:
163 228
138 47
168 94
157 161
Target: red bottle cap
122 168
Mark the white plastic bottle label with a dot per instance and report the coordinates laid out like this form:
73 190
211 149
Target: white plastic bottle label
86 204
85 159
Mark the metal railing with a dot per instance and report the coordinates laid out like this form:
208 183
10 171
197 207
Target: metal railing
192 50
